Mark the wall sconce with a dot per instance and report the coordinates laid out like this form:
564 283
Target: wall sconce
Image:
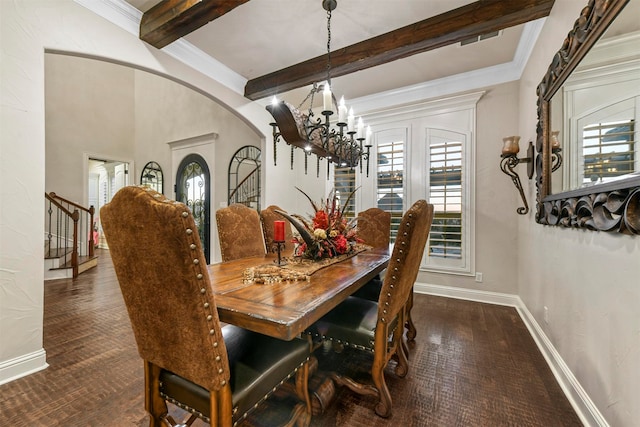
510 160
556 157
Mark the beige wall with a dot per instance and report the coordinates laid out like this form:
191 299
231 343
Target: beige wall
108 111
589 281
496 198
167 112
89 112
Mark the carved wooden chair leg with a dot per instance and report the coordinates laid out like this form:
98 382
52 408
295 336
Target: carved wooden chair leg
400 354
356 387
411 328
154 403
383 407
302 390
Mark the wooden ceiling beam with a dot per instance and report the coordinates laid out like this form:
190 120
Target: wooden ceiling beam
169 20
474 19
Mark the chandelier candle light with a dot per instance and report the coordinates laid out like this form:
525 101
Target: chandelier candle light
346 145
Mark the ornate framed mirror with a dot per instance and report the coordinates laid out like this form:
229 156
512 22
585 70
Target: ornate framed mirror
588 140
151 176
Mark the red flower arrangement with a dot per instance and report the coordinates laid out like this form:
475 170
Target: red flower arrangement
327 233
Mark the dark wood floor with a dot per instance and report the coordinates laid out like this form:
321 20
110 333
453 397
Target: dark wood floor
474 364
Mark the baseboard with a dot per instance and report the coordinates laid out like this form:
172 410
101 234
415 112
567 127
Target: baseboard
22 366
578 397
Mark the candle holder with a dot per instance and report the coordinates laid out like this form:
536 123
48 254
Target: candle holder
510 160
556 155
279 261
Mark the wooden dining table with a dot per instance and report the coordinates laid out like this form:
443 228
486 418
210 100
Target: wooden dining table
285 309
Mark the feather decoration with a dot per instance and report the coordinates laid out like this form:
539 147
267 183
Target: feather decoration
302 229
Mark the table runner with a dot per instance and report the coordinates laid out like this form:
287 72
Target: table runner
296 268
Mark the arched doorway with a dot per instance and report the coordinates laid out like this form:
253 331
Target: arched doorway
193 186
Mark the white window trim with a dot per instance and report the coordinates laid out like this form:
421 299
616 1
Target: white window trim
415 185
465 265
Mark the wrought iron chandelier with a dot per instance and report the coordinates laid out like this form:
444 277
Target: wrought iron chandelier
346 144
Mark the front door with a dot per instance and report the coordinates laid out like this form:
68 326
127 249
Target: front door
193 186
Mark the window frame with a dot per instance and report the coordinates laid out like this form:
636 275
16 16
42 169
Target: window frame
457 114
465 264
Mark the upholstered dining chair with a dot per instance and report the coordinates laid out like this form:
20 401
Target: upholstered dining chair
377 327
268 216
239 232
215 373
374 228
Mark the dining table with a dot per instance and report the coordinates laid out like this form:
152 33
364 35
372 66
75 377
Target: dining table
285 308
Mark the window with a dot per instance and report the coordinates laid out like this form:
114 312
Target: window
447 166
390 178
344 183
445 178
425 151
608 150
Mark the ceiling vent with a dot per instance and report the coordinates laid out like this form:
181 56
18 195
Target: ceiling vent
480 37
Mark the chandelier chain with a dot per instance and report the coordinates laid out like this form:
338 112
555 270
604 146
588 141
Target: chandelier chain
344 144
329 47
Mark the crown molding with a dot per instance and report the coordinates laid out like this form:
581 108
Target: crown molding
127 17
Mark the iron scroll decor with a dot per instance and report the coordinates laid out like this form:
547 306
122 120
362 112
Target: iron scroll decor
611 207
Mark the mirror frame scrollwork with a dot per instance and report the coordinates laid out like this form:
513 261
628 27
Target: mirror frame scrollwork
611 207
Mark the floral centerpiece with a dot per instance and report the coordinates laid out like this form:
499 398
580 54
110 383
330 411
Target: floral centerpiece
326 233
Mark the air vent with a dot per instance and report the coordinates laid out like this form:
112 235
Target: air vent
480 37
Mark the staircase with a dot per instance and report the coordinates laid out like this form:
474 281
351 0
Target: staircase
247 192
70 239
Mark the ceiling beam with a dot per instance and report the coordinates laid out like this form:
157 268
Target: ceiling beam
169 20
474 19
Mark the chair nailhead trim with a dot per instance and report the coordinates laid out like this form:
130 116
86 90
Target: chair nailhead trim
191 241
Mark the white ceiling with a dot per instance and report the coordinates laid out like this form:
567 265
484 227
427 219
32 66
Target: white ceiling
262 36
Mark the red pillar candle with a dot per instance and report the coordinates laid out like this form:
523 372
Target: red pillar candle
278 231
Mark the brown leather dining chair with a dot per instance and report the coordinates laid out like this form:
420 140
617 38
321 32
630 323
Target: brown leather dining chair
239 232
374 228
268 216
215 373
376 327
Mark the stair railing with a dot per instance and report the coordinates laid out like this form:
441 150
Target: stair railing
69 230
248 190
